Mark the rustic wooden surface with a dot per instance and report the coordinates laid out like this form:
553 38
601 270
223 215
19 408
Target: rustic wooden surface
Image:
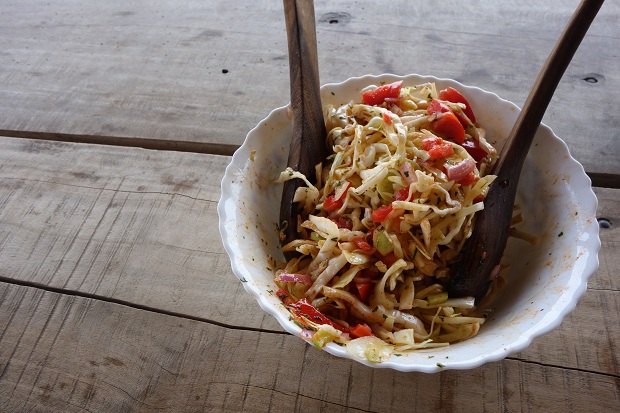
113 298
165 75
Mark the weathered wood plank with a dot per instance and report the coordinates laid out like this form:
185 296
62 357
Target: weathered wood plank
609 211
139 227
122 70
133 224
587 339
74 354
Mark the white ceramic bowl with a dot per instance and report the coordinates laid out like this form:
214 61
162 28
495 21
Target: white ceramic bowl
543 284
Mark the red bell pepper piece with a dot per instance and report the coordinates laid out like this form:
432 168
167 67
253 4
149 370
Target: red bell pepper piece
428 143
436 107
381 213
473 148
437 148
303 308
343 222
402 194
449 126
468 180
284 296
452 95
360 330
446 123
362 244
364 290
377 96
332 203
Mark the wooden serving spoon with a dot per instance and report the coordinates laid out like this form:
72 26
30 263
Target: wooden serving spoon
485 247
308 143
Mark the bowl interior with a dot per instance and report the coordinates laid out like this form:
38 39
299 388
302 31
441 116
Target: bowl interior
542 284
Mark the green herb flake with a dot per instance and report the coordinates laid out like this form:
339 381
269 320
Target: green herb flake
441 366
243 280
560 234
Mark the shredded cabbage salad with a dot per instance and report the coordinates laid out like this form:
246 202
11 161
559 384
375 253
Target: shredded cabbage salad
391 210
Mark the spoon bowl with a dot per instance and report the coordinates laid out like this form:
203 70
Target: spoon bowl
473 274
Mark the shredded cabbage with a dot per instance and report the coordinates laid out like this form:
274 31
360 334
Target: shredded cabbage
381 227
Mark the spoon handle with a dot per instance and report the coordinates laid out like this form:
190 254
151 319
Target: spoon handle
485 247
524 129
308 146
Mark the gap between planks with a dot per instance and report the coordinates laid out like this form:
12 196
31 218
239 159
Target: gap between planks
538 363
134 142
230 326
600 180
112 300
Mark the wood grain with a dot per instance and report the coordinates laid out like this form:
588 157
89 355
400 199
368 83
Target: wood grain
609 211
489 236
125 71
132 224
139 227
308 147
76 354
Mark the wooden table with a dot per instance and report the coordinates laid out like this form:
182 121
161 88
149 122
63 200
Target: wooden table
117 119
